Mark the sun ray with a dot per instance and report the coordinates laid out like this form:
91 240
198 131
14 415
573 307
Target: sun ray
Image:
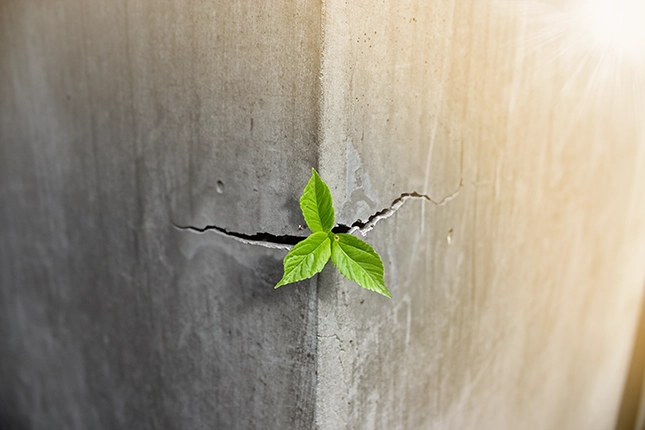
593 49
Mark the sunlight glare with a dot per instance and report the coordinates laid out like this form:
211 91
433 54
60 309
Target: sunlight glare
618 24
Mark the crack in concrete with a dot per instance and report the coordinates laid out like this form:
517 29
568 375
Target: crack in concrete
267 240
363 227
287 242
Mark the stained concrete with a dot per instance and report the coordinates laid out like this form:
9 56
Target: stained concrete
515 302
116 121
515 299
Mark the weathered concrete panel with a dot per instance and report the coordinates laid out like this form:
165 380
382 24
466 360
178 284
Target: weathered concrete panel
118 119
516 282
515 300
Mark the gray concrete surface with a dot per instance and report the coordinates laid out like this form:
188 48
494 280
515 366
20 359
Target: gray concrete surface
515 302
515 294
117 120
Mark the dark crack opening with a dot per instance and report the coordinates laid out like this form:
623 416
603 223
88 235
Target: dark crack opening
281 241
288 241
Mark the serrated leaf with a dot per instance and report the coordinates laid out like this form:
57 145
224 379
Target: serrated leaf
306 258
357 261
316 205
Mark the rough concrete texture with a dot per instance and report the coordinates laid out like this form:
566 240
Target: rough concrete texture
515 301
118 119
515 294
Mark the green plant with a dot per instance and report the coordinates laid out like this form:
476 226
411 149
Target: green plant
355 259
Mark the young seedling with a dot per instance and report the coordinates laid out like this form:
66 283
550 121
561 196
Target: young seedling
355 259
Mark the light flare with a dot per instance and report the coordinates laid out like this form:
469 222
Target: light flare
594 48
617 24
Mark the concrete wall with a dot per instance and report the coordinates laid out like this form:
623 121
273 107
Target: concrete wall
516 284
516 299
632 408
118 120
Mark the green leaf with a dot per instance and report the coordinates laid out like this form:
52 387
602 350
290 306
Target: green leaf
316 205
357 261
306 258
